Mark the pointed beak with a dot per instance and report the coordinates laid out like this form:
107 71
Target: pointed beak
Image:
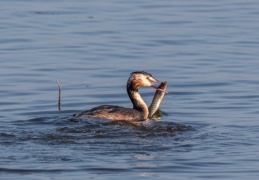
151 79
162 90
156 81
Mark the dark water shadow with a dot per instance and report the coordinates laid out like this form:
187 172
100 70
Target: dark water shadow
61 129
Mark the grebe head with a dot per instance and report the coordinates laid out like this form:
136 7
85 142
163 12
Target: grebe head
141 78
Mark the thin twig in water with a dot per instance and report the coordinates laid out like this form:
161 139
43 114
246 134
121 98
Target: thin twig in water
59 95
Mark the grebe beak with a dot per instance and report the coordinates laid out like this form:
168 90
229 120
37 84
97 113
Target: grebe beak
162 90
151 79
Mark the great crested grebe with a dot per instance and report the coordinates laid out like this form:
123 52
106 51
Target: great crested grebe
140 110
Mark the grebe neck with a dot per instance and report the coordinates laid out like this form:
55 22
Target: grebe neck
138 103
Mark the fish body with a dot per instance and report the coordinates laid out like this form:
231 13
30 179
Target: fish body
158 97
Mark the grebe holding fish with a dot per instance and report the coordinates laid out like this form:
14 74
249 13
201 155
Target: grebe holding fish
139 112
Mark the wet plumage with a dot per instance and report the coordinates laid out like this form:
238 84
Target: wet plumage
139 112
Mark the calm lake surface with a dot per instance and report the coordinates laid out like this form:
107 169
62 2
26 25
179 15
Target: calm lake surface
207 51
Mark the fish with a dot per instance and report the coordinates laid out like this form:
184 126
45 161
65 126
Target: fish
154 112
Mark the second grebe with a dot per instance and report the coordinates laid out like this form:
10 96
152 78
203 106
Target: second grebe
140 110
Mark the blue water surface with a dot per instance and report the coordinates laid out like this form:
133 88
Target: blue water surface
207 51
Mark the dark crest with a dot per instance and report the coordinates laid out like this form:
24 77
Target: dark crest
141 72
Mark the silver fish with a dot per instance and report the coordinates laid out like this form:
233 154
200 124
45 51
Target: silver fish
153 108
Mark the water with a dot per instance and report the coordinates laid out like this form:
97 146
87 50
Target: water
206 51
